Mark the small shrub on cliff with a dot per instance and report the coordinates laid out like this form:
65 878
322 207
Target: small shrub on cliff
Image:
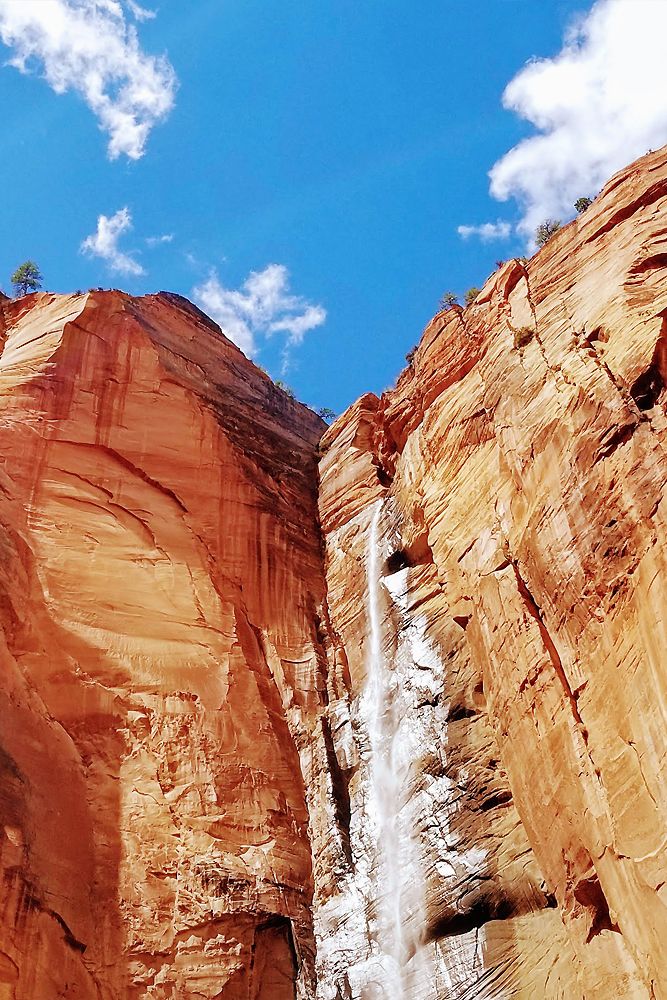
410 356
545 231
324 413
287 389
26 278
471 295
581 204
523 336
448 300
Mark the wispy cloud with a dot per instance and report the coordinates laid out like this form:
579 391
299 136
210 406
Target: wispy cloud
104 243
87 46
596 105
487 231
262 307
156 241
140 13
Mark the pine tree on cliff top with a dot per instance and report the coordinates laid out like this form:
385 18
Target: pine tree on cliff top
26 278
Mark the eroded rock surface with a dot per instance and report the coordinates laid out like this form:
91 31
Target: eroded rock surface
518 470
159 573
415 751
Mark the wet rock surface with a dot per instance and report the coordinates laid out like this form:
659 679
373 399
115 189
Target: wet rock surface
393 727
520 465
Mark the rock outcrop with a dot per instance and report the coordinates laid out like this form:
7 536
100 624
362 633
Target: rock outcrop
518 472
160 567
406 745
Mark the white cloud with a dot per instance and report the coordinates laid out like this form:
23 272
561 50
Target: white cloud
597 105
140 13
297 327
104 243
487 232
87 46
262 307
156 241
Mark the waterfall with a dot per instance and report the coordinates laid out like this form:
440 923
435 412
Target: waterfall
406 821
385 784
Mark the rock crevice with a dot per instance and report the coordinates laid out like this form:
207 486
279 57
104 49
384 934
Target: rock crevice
373 711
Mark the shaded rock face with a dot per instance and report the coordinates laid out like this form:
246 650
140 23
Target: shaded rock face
390 729
518 473
160 570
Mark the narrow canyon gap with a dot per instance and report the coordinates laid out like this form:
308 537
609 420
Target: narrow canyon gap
368 712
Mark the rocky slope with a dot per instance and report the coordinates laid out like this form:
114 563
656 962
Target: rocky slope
517 474
408 745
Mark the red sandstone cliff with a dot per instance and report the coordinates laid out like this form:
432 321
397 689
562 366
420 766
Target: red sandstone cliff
518 470
160 567
424 759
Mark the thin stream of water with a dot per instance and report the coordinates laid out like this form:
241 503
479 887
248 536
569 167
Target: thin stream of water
385 780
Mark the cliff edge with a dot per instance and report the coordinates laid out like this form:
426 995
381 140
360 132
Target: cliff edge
373 713
517 472
161 564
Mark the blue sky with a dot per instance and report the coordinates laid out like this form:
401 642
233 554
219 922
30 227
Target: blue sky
343 142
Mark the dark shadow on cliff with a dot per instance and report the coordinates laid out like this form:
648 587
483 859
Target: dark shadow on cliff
60 929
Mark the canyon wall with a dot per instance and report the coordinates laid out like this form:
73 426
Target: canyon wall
517 472
408 744
160 568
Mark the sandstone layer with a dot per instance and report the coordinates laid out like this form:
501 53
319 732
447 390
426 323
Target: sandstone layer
406 746
160 568
516 475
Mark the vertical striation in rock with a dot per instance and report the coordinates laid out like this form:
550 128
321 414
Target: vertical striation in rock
424 760
520 463
159 575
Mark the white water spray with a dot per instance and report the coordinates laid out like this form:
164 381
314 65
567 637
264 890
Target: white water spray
385 784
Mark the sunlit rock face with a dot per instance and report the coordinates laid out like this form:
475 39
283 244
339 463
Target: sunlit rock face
406 745
518 473
160 571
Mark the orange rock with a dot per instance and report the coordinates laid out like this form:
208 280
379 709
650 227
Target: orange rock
161 563
523 595
427 760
